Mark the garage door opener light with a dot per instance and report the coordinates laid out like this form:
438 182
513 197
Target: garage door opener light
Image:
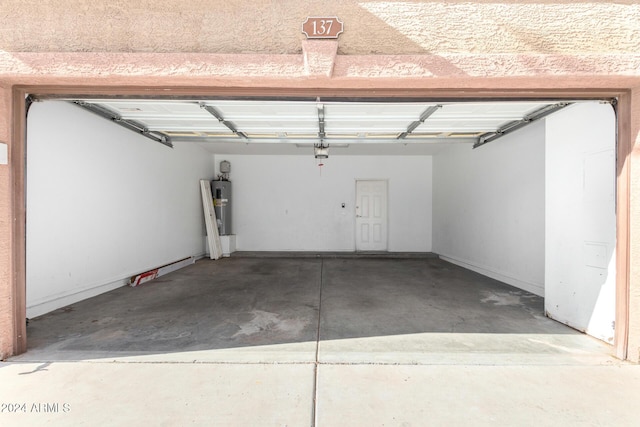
321 151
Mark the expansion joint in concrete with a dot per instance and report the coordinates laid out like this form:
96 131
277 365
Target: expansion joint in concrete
317 359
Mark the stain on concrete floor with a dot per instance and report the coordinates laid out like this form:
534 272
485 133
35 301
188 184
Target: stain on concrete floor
237 303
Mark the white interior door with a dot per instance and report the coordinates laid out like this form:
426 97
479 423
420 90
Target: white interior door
371 215
580 259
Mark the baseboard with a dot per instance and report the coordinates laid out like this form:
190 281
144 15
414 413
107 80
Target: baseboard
55 302
534 288
72 297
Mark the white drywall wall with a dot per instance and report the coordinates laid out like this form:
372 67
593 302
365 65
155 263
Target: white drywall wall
580 277
283 203
488 211
103 204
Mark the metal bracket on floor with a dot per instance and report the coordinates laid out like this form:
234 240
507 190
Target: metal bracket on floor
126 123
519 124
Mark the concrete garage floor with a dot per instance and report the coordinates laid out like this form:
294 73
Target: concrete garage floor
311 340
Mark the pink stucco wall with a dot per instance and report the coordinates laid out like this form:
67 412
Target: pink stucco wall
6 301
634 255
371 26
461 48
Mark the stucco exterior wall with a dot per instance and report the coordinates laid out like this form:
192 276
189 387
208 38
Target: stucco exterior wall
634 219
371 27
456 48
6 301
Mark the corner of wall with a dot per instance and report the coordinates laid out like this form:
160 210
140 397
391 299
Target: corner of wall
158 220
482 219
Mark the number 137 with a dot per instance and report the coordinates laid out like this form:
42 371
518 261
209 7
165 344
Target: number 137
322 27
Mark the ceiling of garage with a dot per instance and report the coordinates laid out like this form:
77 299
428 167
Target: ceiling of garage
279 126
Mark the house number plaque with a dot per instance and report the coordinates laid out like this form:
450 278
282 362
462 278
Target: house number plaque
322 27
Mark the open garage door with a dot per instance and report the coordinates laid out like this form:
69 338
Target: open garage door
321 123
484 160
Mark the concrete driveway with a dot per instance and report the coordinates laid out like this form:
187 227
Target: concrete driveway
315 341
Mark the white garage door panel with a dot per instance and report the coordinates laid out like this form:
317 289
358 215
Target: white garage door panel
280 121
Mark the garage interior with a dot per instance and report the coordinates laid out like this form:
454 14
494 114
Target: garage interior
499 216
